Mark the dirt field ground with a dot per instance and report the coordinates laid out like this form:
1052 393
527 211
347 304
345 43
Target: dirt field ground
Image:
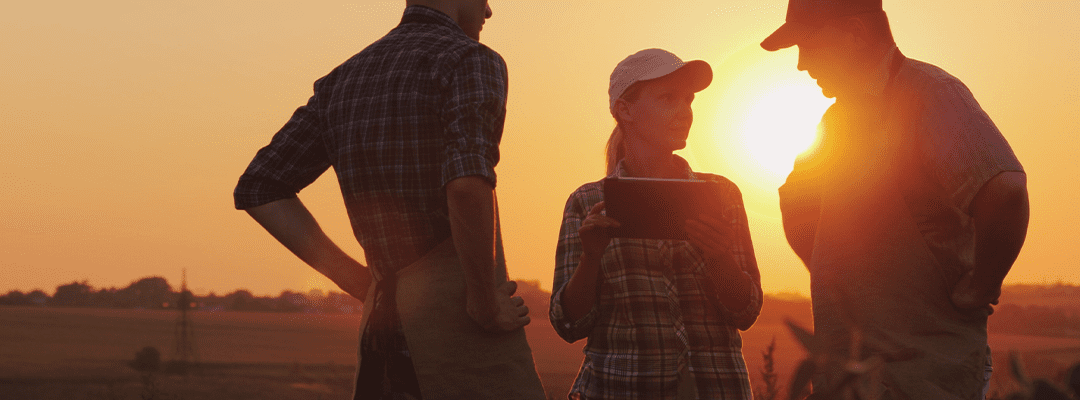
56 353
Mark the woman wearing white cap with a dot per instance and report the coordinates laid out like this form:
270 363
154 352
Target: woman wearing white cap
661 316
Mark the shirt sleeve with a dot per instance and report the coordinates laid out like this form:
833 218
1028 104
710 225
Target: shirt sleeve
962 147
800 195
474 115
743 253
567 256
293 160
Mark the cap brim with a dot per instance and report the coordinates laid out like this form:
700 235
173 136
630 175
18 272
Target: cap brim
697 73
787 35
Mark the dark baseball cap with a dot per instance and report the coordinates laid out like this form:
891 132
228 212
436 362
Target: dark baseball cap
806 16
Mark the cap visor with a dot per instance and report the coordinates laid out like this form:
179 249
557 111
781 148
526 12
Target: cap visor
698 73
789 34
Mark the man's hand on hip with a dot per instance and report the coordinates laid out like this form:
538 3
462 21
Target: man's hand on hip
500 313
968 296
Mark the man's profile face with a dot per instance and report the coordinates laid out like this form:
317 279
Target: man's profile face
828 55
471 17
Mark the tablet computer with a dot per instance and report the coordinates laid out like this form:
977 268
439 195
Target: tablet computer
650 208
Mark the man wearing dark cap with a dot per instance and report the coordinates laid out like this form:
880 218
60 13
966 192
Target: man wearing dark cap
908 213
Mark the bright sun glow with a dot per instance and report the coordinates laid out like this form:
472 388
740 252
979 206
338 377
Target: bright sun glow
761 113
781 123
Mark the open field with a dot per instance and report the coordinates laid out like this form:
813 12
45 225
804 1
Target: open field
57 353
63 353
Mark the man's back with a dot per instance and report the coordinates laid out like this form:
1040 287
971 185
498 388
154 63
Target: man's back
421 106
411 126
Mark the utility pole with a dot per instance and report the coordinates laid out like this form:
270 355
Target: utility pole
184 356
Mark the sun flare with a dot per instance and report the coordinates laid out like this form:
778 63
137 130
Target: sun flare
762 112
781 123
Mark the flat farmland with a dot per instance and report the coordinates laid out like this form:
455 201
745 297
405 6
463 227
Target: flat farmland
62 353
58 353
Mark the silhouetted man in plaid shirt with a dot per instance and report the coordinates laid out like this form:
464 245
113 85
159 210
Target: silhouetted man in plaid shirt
411 126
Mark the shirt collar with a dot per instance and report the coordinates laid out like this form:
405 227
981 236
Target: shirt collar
879 77
620 169
427 15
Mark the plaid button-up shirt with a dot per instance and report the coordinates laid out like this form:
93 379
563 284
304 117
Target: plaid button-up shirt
418 108
657 311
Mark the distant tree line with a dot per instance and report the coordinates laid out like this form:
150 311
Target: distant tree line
1052 310
156 293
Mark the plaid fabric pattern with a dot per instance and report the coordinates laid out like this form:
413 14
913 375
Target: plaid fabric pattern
418 108
657 311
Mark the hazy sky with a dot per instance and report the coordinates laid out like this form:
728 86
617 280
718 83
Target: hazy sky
124 125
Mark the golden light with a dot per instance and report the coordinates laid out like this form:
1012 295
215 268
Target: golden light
781 123
761 113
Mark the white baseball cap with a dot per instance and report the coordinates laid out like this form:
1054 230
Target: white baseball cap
654 63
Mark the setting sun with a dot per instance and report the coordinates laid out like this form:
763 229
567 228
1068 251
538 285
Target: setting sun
125 127
201 89
762 112
781 123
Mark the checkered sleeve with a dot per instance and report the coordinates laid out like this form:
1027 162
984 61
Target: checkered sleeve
743 253
567 255
474 115
293 160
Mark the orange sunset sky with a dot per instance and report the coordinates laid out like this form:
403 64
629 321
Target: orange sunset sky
124 125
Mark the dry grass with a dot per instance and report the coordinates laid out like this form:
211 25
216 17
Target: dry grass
55 353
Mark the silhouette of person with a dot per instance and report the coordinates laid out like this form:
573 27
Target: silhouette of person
412 126
661 316
908 213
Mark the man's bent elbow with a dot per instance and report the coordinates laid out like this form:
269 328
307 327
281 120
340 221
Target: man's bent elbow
1005 193
467 186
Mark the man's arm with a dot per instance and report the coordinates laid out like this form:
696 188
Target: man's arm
1000 214
471 202
799 210
290 222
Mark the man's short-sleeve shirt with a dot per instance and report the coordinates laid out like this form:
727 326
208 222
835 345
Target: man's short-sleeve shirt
418 108
890 188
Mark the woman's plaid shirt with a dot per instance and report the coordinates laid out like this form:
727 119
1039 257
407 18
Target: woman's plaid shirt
657 311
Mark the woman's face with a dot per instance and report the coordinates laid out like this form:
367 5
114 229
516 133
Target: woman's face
661 116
